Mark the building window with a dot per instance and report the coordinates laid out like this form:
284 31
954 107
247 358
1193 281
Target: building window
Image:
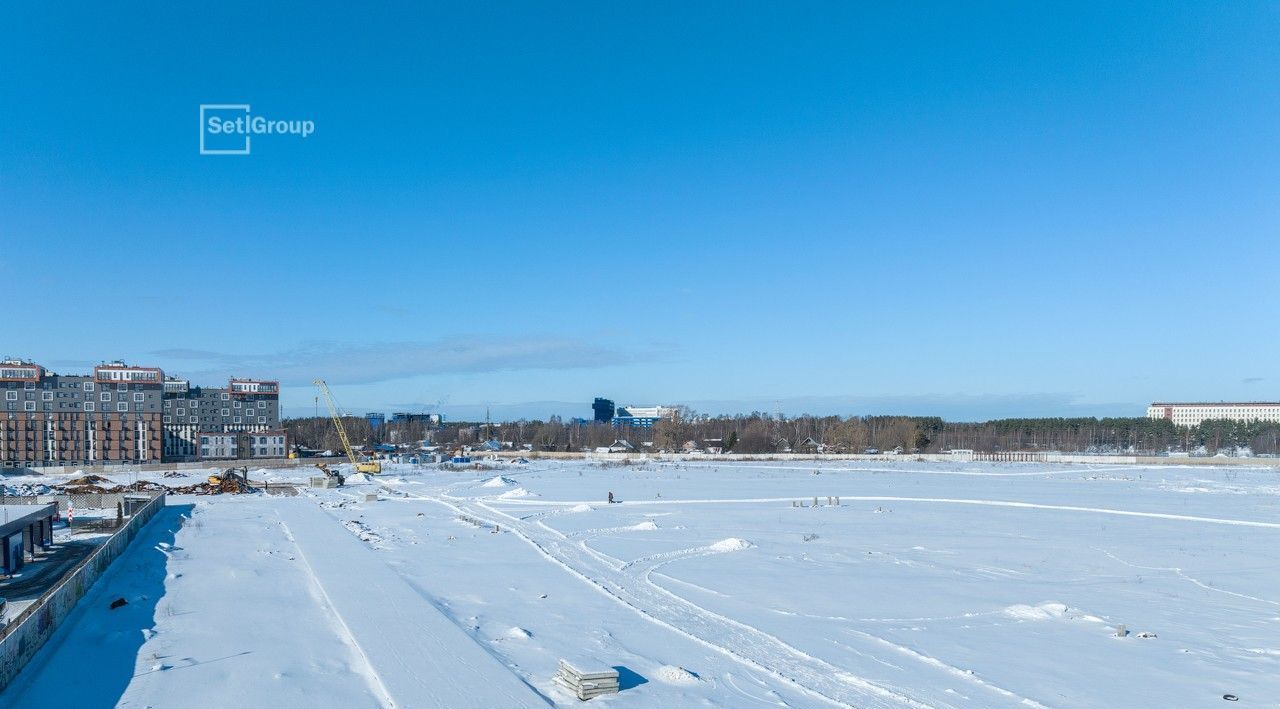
122 387
47 396
182 412
262 419
29 405
88 386
225 396
226 412
104 396
139 397
195 419
237 419
29 386
121 406
168 419
11 396
88 406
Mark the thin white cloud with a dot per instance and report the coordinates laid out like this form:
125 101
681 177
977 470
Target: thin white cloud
951 407
380 362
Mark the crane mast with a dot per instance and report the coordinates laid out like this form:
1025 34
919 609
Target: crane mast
365 467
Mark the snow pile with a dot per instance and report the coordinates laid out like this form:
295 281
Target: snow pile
730 544
518 492
499 481
518 633
671 674
1044 611
362 530
360 478
25 490
584 507
644 526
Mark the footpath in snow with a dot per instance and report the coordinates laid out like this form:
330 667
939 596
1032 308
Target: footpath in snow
249 602
419 656
630 585
220 612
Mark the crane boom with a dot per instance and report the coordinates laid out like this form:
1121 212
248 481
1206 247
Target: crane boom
366 467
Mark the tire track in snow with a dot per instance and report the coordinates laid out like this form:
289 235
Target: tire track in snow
1182 575
338 625
740 641
645 566
867 469
935 500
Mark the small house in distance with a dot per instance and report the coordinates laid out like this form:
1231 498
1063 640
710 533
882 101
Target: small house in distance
618 446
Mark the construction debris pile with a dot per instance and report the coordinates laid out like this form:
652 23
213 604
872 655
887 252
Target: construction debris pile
96 484
586 685
234 481
230 486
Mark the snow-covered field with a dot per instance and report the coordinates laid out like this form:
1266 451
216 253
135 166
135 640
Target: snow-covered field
928 585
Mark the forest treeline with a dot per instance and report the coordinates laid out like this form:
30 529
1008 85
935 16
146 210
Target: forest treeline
764 433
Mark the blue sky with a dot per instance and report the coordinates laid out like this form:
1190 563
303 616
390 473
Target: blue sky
1006 209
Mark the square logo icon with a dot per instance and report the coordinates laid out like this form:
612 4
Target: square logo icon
224 129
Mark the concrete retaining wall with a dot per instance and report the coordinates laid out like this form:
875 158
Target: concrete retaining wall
24 636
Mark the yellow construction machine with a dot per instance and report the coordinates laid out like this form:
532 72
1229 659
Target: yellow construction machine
232 480
361 466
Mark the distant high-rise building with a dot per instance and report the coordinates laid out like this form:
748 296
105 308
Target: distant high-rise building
642 416
429 420
1193 414
603 409
375 419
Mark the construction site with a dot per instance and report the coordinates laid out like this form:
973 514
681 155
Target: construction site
513 582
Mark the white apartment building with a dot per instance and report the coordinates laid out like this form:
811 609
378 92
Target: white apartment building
1194 413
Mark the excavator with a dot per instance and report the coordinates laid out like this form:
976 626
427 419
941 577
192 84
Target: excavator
361 466
232 480
333 475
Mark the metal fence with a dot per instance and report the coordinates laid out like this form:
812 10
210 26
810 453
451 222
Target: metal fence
24 636
81 500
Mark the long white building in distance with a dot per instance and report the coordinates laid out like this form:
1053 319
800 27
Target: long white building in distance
1192 414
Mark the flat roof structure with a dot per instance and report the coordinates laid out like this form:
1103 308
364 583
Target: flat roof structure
22 529
15 518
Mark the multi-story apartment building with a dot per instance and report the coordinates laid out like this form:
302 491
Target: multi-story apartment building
111 416
264 444
127 414
1193 414
243 406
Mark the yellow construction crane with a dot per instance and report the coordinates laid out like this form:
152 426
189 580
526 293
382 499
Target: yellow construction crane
367 466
